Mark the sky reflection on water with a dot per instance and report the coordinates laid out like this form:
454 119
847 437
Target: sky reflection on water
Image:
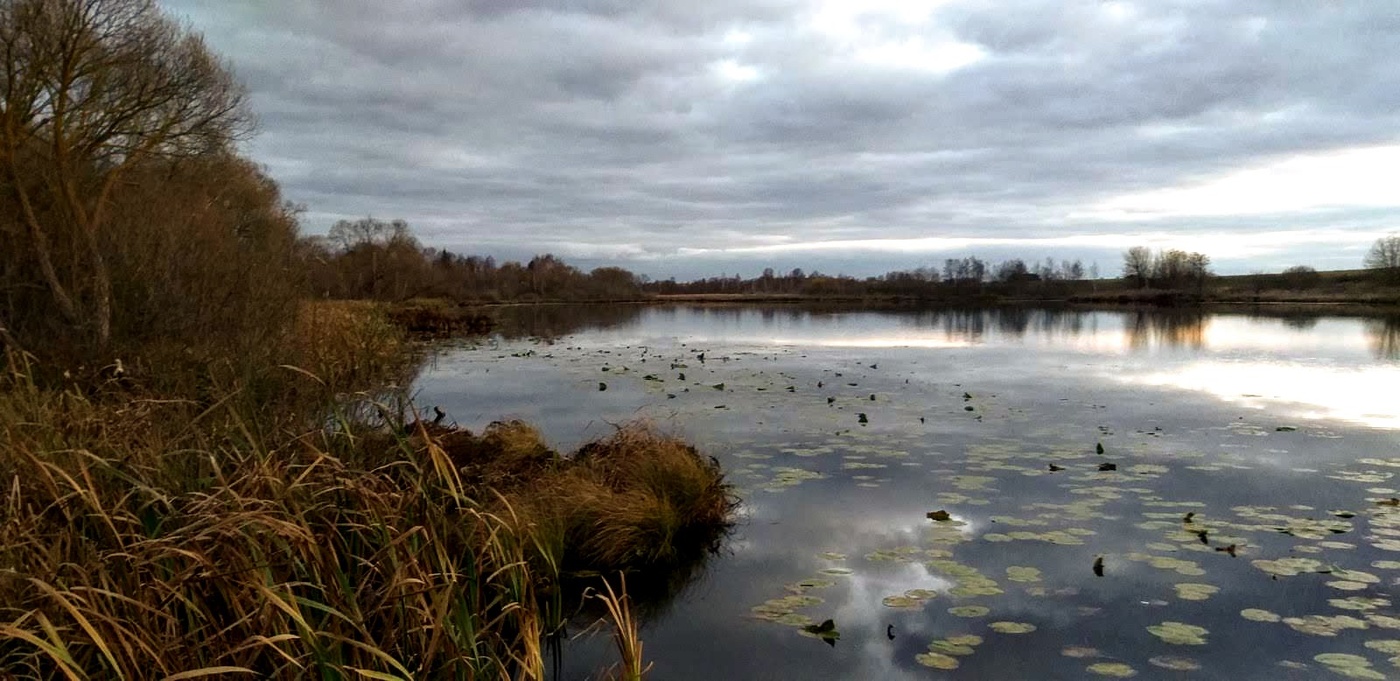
1210 413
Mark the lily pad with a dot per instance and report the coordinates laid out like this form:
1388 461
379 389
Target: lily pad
1017 573
1194 592
1012 627
937 660
946 647
969 611
1115 670
1387 646
1257 615
1179 633
901 602
1348 665
1178 664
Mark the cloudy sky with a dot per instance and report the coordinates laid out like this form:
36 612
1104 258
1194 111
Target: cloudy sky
695 137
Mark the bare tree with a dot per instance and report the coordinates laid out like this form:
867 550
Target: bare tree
89 90
1384 257
1137 265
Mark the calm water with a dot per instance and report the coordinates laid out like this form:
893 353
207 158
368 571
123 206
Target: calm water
1280 435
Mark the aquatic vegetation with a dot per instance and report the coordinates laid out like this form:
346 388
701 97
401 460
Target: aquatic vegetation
1015 485
1012 627
1176 664
1195 592
1115 670
1018 573
1324 625
969 610
1179 633
1350 666
937 660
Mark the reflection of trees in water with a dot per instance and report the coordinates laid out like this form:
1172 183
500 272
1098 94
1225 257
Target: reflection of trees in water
1301 322
1172 328
1383 335
553 321
970 325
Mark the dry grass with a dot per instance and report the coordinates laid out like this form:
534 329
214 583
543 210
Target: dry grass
636 501
345 343
625 631
146 538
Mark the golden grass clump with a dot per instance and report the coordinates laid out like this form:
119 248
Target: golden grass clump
635 500
345 342
165 538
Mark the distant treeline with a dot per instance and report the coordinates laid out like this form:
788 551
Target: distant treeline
957 276
378 260
382 260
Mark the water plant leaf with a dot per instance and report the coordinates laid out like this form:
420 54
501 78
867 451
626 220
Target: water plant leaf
1017 573
1179 633
1348 665
1387 646
969 611
1080 652
1012 627
1116 670
937 660
1257 615
901 602
1179 664
1194 592
940 516
950 648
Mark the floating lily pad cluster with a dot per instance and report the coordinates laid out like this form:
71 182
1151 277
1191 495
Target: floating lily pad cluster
944 653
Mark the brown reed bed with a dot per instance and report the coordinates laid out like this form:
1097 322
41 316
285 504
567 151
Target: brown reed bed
175 538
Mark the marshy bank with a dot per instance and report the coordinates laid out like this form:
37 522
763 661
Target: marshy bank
257 525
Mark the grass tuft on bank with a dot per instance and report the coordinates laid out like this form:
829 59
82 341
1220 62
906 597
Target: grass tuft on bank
145 537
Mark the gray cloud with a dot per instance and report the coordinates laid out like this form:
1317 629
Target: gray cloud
608 131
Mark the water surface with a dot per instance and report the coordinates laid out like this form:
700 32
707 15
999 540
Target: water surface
843 430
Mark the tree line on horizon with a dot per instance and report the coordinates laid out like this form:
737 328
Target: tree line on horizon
382 260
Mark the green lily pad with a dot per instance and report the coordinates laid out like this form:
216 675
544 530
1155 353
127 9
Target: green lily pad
1179 633
1387 646
1017 573
1012 627
946 647
937 660
1178 664
969 611
1324 625
902 602
1194 592
1348 665
1359 603
1257 615
1116 670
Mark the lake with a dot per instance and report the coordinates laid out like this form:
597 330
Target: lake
1245 531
